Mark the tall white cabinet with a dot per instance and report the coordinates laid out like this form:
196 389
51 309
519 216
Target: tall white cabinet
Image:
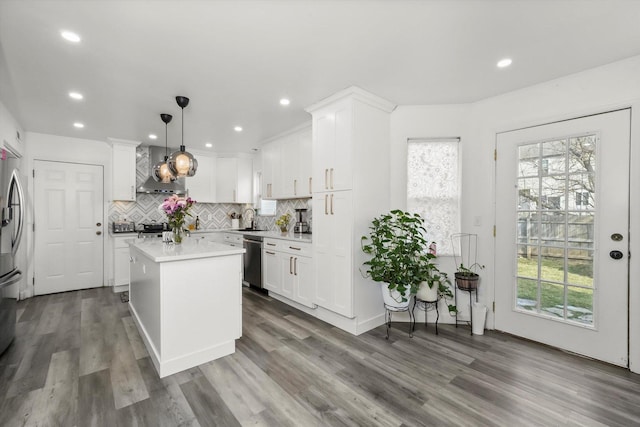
350 164
123 169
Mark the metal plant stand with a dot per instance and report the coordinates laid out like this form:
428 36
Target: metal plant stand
471 291
389 310
422 304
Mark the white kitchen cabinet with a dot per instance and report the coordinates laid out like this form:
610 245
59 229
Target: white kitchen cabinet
270 156
10 132
234 178
286 165
350 162
332 251
121 260
288 270
232 239
123 173
332 148
202 186
271 271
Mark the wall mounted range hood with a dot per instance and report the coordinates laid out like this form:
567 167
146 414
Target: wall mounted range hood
156 154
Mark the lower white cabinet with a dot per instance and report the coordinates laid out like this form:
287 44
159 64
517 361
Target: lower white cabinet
120 260
287 270
232 239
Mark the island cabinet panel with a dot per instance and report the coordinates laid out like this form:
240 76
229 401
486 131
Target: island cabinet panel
186 301
190 320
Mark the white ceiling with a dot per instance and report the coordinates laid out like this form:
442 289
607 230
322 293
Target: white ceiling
236 59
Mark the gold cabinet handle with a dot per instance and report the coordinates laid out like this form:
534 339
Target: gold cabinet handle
325 205
332 204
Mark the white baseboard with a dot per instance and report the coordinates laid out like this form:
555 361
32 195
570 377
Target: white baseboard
120 288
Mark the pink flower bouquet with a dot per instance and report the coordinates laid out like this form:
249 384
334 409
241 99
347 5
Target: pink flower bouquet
177 209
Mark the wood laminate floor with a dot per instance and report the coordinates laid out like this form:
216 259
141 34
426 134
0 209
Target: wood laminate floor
78 360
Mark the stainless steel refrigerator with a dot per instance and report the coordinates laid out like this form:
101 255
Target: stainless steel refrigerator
12 219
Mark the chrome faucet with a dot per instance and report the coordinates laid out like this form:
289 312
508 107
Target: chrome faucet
253 216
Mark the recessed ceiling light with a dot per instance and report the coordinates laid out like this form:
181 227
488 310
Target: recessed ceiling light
504 63
238 128
78 125
285 101
70 36
153 136
75 95
208 145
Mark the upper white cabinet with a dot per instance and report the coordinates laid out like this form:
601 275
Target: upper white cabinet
333 148
234 178
202 186
10 132
123 169
286 165
350 161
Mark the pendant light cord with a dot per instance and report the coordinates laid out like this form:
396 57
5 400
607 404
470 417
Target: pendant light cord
182 146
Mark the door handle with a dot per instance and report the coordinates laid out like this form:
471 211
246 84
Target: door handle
326 179
290 265
98 232
332 204
616 254
325 205
295 266
331 176
270 253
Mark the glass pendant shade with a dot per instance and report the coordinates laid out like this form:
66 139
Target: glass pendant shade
161 171
182 163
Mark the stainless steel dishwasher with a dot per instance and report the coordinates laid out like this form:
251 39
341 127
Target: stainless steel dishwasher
253 260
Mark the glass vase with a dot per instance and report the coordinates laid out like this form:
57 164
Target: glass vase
177 235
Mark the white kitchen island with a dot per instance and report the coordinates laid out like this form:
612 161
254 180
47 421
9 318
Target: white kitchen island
186 300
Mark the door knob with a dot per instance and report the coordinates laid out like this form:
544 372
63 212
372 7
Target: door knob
98 232
615 254
98 224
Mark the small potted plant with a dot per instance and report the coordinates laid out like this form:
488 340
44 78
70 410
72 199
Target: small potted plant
466 277
283 222
399 258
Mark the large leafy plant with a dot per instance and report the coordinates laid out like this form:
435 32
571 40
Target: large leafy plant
399 251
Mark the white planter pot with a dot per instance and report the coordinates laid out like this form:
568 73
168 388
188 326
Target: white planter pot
425 293
393 298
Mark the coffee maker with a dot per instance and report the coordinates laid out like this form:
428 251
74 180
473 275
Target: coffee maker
301 225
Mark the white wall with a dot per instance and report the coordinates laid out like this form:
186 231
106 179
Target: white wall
72 150
598 90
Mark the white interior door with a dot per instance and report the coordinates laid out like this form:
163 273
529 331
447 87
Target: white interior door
69 230
562 241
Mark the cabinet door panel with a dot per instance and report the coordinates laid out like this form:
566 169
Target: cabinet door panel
271 271
202 186
340 169
304 289
286 265
322 147
121 266
305 172
226 179
244 181
124 172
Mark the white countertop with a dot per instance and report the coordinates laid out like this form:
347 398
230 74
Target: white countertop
159 251
295 237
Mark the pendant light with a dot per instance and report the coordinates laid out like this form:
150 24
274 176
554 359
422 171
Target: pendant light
182 163
161 171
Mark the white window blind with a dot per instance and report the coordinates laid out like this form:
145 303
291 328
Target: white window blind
433 187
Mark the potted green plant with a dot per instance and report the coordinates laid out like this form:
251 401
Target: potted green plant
399 258
283 222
